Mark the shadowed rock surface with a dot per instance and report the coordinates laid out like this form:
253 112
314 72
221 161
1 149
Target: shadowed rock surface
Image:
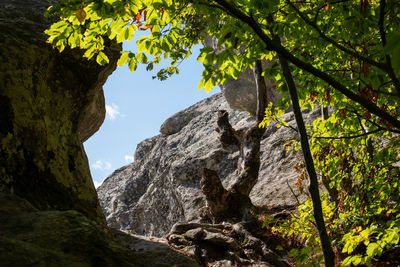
162 186
50 103
30 237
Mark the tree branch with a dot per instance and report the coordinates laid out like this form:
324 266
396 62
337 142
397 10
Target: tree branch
228 135
335 43
359 116
351 136
389 67
382 21
329 255
291 190
262 97
278 48
249 162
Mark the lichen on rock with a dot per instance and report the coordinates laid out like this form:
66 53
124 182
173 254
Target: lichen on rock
50 103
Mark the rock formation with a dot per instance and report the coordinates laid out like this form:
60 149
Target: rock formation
162 185
241 94
30 237
50 103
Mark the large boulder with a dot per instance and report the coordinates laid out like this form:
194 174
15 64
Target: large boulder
241 93
162 185
50 103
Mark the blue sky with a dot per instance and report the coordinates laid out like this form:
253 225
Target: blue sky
136 107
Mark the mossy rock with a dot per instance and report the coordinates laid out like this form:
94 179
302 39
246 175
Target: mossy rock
50 103
29 237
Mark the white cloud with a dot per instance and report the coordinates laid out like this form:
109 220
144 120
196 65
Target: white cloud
112 111
107 165
101 165
97 184
128 158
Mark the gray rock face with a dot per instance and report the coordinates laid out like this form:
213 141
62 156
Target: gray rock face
176 122
241 94
161 187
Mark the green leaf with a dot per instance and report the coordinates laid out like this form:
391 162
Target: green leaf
132 65
129 33
207 50
59 26
374 250
356 260
392 48
122 34
102 59
208 86
393 42
90 52
396 59
144 59
293 253
123 59
150 66
201 85
141 44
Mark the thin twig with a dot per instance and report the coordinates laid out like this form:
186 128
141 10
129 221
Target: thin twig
333 42
291 190
349 137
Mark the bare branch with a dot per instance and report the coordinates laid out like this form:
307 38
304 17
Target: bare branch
291 190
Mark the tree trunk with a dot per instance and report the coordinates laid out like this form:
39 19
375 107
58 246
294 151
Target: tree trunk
234 203
313 188
332 191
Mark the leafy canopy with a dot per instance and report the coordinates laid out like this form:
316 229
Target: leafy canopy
337 39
